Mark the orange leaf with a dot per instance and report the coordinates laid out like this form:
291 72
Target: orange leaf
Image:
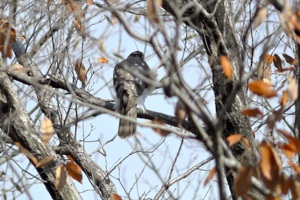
61 177
47 129
284 183
288 149
152 9
243 180
27 153
210 175
262 89
74 171
102 60
226 66
246 142
160 132
270 163
284 99
115 197
46 161
254 112
81 72
268 59
233 139
294 142
296 167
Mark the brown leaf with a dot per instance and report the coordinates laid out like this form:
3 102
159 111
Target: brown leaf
61 177
115 197
270 163
243 180
286 69
296 167
233 139
292 89
289 59
190 36
27 153
284 99
80 28
74 171
252 112
277 62
81 72
268 59
102 60
276 116
210 175
160 132
264 72
180 112
288 149
295 188
246 142
46 161
226 66
260 17
152 9
47 130
284 183
136 18
262 89
294 142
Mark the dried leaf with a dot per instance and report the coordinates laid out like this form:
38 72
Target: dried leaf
115 197
81 72
288 149
47 130
160 132
102 60
284 183
260 17
286 69
264 72
294 142
268 59
295 188
252 112
277 62
136 18
270 163
226 66
61 177
246 142
46 161
233 139
296 167
262 89
190 36
210 175
27 153
243 180
292 89
80 28
284 99
74 171
276 116
290 59
17 68
152 9
180 112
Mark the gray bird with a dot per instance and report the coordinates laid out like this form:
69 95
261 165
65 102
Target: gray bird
128 89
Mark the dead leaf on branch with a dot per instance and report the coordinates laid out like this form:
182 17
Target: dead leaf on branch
252 112
270 163
47 129
262 89
290 59
27 153
102 60
211 174
292 89
81 72
277 62
74 170
115 197
60 178
260 17
226 66
45 161
180 112
243 180
153 7
159 131
276 116
233 139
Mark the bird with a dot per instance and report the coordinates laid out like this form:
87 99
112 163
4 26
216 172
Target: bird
130 89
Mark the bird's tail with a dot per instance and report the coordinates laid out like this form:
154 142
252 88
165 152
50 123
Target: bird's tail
127 128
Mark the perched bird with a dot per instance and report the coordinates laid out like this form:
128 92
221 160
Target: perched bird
130 89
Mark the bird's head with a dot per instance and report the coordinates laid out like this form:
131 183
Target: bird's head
136 54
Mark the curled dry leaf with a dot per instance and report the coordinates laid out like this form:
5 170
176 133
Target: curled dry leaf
260 17
102 60
115 197
81 72
233 139
159 131
211 174
226 66
270 163
262 89
74 171
47 129
152 9
60 178
243 180
252 112
45 161
277 62
27 153
290 59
